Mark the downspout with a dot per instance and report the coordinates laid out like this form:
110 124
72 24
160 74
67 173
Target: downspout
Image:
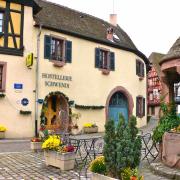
37 80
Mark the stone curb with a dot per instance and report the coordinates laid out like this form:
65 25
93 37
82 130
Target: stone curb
162 170
2 141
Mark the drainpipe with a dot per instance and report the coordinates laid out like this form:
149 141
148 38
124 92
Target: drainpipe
37 80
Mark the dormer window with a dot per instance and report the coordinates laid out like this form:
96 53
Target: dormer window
1 22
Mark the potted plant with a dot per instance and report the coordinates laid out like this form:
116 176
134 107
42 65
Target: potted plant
58 154
90 128
36 142
2 132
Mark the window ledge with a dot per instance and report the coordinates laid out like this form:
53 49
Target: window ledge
105 71
141 78
58 63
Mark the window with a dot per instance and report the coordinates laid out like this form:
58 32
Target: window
1 22
57 49
139 68
3 66
104 59
140 106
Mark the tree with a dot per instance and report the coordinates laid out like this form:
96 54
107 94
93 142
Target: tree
109 150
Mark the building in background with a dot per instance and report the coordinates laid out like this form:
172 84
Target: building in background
154 85
170 76
86 65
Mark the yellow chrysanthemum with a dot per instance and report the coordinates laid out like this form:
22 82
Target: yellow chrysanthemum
2 128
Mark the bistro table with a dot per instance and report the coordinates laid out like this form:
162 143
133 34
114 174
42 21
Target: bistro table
86 147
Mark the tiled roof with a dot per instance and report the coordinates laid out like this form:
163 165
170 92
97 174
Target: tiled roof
174 52
155 59
63 19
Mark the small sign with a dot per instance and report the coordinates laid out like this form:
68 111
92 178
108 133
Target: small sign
29 60
18 86
24 101
40 101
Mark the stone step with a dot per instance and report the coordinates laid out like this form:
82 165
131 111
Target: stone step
162 170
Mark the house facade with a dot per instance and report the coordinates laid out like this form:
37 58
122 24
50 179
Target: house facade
154 85
85 65
170 74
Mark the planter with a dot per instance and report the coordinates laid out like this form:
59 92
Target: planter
36 146
2 134
171 150
96 176
90 129
64 161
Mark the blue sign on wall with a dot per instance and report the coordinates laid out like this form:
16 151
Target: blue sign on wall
24 101
18 86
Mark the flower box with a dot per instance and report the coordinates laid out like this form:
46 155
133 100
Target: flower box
90 129
2 134
96 176
36 146
64 161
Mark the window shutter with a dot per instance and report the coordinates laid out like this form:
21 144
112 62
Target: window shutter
137 67
144 106
47 47
112 61
97 57
137 106
68 55
142 69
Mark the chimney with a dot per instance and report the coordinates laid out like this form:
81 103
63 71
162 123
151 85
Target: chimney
113 19
109 33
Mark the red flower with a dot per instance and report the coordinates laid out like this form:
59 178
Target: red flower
133 178
70 148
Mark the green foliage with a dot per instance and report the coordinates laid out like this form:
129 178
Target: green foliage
168 121
128 173
122 146
98 165
110 147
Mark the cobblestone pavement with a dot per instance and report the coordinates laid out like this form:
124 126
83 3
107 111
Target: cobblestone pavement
26 165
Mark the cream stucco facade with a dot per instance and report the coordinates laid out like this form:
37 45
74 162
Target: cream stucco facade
88 85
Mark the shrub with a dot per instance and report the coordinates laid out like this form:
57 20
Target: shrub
109 150
168 121
122 146
98 165
130 174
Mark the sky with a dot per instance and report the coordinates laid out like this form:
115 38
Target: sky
153 25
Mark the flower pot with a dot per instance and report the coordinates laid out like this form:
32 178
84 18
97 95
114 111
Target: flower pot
36 146
96 176
64 161
2 134
90 129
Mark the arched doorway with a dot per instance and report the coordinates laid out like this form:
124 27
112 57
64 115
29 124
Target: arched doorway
119 101
55 112
118 104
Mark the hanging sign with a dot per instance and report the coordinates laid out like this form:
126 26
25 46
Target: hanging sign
29 60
